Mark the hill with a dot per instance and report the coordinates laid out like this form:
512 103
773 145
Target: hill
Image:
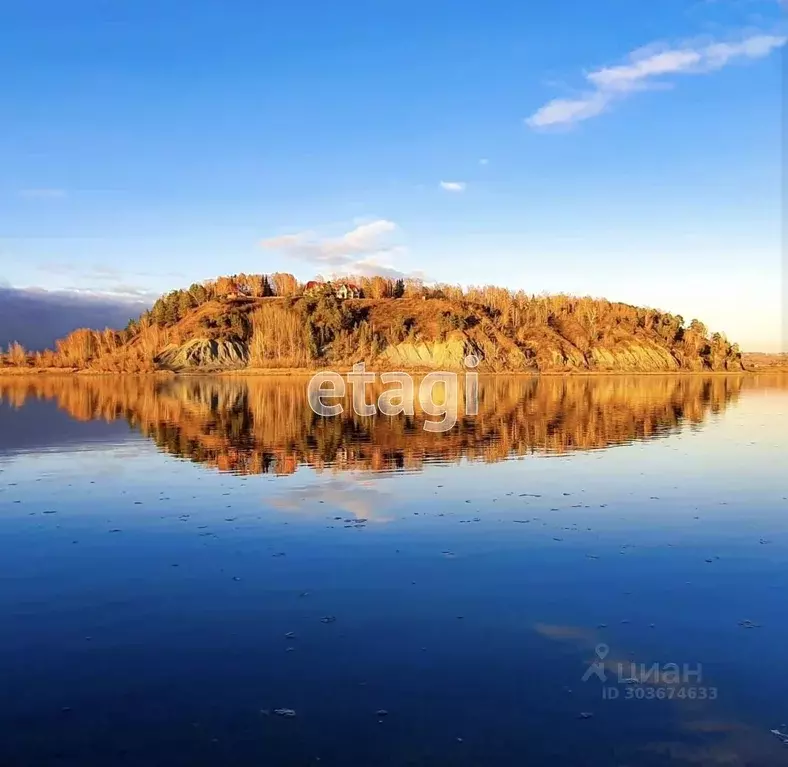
257 321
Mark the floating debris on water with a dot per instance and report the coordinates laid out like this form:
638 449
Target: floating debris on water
782 736
748 624
287 713
328 619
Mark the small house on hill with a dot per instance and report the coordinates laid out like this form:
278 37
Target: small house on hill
340 290
313 286
347 290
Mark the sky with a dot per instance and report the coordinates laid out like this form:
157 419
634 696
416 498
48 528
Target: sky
632 151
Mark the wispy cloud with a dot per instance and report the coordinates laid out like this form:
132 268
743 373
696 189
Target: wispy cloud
453 186
42 194
372 266
362 250
101 280
649 68
120 291
366 239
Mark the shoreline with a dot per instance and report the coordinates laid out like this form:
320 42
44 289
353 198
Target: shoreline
274 372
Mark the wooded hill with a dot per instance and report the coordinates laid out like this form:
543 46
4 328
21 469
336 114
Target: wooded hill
262 321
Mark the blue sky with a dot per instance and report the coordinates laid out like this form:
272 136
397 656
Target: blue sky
617 149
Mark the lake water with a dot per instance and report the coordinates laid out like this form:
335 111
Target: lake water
592 571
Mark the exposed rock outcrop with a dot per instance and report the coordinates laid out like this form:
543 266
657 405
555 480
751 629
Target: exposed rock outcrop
203 353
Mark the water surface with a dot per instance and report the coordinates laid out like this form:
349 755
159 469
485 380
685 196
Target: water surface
180 558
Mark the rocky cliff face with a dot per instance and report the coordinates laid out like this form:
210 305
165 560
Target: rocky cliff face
203 354
448 355
633 357
642 356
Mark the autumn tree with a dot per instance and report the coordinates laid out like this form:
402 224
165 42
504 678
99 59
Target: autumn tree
199 293
16 354
258 285
78 348
413 288
284 284
225 286
186 302
378 287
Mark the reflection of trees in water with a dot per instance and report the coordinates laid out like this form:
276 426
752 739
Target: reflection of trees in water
256 425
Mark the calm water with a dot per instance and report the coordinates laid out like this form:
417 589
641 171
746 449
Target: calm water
182 558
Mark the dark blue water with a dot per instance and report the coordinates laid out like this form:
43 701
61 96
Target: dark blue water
157 611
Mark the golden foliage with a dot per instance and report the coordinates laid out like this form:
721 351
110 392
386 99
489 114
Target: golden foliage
279 338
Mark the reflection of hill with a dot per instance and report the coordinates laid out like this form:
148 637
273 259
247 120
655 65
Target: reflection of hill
257 425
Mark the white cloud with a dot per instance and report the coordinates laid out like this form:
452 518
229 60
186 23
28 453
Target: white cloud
372 266
365 239
358 251
453 186
648 68
560 111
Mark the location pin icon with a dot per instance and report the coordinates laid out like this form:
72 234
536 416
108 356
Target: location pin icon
602 651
